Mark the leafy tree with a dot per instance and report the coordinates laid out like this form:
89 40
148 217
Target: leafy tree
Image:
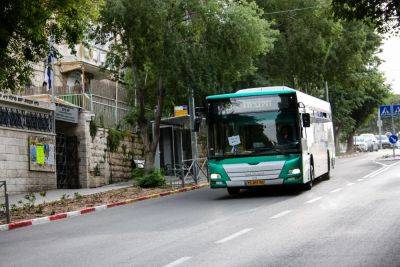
172 45
27 26
314 47
383 14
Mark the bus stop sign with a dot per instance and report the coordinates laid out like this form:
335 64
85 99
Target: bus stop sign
393 139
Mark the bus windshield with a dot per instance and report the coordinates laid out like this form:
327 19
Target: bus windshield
253 126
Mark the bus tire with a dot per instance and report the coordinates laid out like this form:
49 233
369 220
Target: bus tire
308 186
233 191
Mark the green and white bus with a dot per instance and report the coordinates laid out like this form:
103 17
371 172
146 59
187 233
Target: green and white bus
268 136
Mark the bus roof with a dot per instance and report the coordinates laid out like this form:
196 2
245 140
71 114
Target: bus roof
272 90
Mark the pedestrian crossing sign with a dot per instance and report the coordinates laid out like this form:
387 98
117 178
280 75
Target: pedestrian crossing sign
385 111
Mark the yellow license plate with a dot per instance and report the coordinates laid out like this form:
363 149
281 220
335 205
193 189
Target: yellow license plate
255 182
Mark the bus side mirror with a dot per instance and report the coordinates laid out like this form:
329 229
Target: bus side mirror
306 118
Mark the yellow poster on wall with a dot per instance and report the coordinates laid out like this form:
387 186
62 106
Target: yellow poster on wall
40 154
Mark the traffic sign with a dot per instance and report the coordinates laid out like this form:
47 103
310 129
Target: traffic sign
385 111
396 110
393 139
389 110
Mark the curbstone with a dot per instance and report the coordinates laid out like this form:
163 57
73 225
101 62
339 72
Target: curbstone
64 215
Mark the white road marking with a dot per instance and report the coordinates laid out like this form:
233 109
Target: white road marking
178 261
380 170
228 238
380 163
350 184
283 213
374 172
360 180
337 190
313 200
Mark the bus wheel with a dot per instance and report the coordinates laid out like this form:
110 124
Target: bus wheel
233 190
309 184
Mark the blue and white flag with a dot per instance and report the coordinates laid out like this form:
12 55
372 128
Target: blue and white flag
49 72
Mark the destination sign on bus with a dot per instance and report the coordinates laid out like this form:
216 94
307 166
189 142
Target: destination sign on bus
252 104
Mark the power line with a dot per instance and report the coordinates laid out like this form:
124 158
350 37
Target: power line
291 10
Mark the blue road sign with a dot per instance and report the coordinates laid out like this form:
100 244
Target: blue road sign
396 110
385 111
393 139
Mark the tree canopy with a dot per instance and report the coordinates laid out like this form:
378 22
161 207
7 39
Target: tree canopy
170 46
383 14
27 27
313 48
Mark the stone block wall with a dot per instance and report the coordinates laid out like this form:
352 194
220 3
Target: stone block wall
106 167
14 163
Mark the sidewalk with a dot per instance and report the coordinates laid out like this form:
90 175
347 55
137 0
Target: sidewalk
56 194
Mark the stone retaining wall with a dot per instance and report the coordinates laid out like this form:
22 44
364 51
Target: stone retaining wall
106 167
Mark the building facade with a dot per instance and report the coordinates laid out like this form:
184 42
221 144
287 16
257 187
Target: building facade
80 101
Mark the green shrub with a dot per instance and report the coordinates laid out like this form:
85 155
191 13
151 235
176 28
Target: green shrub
137 173
153 179
114 139
93 128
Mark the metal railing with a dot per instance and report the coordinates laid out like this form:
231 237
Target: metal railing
81 100
189 171
105 98
4 207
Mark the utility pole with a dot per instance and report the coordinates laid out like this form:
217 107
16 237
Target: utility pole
379 124
326 91
193 134
393 129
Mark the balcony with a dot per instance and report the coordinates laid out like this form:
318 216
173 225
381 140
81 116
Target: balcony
106 99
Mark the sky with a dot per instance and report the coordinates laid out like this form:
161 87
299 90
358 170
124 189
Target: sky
391 66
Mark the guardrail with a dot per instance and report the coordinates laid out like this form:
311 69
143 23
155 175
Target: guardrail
4 207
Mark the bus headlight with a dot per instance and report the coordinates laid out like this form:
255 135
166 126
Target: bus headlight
294 171
215 176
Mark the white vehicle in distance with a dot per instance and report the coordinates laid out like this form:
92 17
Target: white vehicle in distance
370 139
384 140
360 144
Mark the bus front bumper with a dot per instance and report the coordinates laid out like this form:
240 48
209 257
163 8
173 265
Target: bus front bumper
245 183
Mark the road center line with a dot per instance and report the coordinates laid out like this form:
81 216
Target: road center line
337 190
228 238
178 261
313 200
283 213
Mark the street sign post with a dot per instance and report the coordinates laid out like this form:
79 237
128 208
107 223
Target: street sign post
386 111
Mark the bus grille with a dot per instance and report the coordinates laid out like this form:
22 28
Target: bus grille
263 170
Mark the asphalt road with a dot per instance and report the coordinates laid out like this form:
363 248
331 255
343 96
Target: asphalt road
351 220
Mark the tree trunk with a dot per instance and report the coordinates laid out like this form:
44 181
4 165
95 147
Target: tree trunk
147 129
350 142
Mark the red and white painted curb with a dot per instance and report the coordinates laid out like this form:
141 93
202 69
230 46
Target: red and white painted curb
64 215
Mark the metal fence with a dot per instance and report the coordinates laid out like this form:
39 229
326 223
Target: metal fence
190 171
4 205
